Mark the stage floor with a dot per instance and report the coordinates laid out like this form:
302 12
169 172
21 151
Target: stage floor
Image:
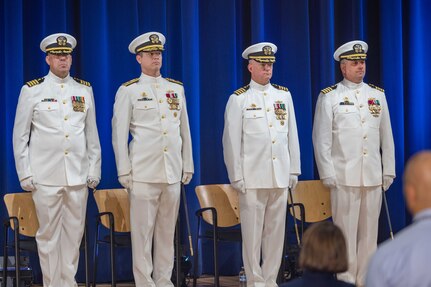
204 281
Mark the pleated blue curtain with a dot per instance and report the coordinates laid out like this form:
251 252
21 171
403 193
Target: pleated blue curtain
205 40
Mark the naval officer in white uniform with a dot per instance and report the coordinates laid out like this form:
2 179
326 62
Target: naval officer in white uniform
355 156
153 110
57 155
261 153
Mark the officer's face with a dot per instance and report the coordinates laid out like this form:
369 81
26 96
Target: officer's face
59 64
261 73
353 71
150 62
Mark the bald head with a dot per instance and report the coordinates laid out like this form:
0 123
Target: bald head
417 182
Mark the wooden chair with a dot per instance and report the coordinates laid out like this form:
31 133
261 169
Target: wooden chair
316 199
312 203
219 208
114 214
24 224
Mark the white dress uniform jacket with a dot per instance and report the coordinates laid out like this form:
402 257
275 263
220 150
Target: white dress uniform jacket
154 110
259 148
352 135
53 143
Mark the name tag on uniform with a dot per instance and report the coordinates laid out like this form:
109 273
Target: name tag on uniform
144 98
49 100
78 104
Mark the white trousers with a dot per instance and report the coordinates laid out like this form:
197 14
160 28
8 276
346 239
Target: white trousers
61 214
263 217
356 211
153 216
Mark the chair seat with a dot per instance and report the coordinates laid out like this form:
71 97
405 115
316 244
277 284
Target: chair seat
119 240
225 235
28 245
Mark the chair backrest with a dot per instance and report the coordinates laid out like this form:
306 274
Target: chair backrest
224 198
115 201
316 199
21 205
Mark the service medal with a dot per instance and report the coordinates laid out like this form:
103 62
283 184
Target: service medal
78 104
280 111
374 107
173 100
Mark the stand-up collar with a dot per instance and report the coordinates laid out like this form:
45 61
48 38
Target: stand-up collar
149 79
58 80
259 87
352 85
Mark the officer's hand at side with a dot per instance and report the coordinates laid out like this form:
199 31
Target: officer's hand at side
330 182
187 177
239 185
27 184
125 181
92 182
387 181
293 181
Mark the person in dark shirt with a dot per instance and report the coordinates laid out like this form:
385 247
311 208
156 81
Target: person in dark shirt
323 254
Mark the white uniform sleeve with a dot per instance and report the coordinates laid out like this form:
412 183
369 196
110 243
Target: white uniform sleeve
92 138
295 157
387 141
187 153
322 136
232 137
21 133
120 131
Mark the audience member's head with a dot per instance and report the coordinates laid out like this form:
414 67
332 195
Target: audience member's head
324 249
417 182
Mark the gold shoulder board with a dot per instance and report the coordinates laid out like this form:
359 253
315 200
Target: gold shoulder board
328 89
128 83
174 81
278 87
241 90
82 82
377 88
35 82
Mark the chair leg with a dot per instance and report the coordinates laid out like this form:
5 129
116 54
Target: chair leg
5 257
196 256
95 254
17 254
112 248
216 275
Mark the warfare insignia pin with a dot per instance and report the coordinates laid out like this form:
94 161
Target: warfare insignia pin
346 102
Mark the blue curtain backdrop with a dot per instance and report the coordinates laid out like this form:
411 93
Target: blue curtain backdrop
203 49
